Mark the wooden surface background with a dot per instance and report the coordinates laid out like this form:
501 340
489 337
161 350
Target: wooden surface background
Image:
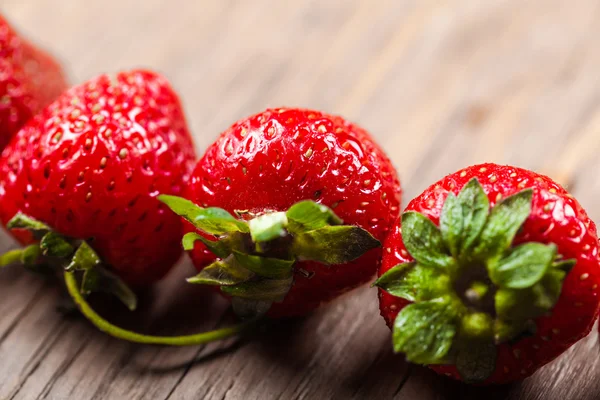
441 85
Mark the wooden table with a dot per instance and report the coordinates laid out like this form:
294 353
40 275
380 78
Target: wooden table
441 84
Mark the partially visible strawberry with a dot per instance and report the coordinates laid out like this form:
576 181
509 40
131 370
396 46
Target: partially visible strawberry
29 80
89 168
490 298
262 166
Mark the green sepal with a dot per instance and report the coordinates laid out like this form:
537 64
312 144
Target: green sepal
503 223
98 279
424 241
268 227
476 360
189 240
475 350
424 331
268 289
10 257
523 266
532 302
333 244
55 245
84 258
451 224
308 215
222 273
274 268
565 265
222 247
414 282
211 220
22 221
463 217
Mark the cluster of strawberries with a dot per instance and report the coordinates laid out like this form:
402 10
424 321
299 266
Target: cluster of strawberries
489 274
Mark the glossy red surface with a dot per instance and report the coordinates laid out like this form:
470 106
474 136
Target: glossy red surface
274 159
29 80
556 218
91 164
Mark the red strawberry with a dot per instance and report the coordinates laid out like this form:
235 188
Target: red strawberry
29 80
259 168
493 295
89 167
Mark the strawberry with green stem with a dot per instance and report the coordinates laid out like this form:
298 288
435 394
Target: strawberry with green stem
252 270
493 273
286 211
78 183
262 170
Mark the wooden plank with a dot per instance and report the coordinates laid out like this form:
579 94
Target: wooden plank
440 84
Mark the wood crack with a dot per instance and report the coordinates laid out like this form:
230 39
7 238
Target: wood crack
37 359
61 370
191 363
28 307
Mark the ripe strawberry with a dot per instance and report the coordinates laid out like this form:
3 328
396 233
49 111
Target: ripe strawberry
490 296
259 168
89 167
29 80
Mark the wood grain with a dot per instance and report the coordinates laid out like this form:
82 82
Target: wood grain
440 84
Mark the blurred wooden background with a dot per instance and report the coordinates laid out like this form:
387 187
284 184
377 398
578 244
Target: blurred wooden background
441 85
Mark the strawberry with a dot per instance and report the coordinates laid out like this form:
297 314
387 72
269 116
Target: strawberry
29 80
290 177
89 168
494 273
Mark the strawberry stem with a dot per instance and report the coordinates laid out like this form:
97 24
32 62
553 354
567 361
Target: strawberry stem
10 257
120 333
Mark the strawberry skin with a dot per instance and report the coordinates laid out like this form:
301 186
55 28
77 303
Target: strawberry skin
91 164
271 160
29 80
556 217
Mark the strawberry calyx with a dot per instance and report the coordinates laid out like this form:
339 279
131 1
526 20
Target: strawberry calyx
258 257
85 273
470 287
52 250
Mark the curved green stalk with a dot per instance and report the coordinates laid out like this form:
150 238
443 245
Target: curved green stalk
10 257
115 331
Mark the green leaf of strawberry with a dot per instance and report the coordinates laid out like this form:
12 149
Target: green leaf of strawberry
424 241
258 256
225 272
524 266
503 222
464 217
425 331
268 227
85 258
54 245
22 221
412 282
334 244
267 267
307 215
532 302
211 220
268 289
